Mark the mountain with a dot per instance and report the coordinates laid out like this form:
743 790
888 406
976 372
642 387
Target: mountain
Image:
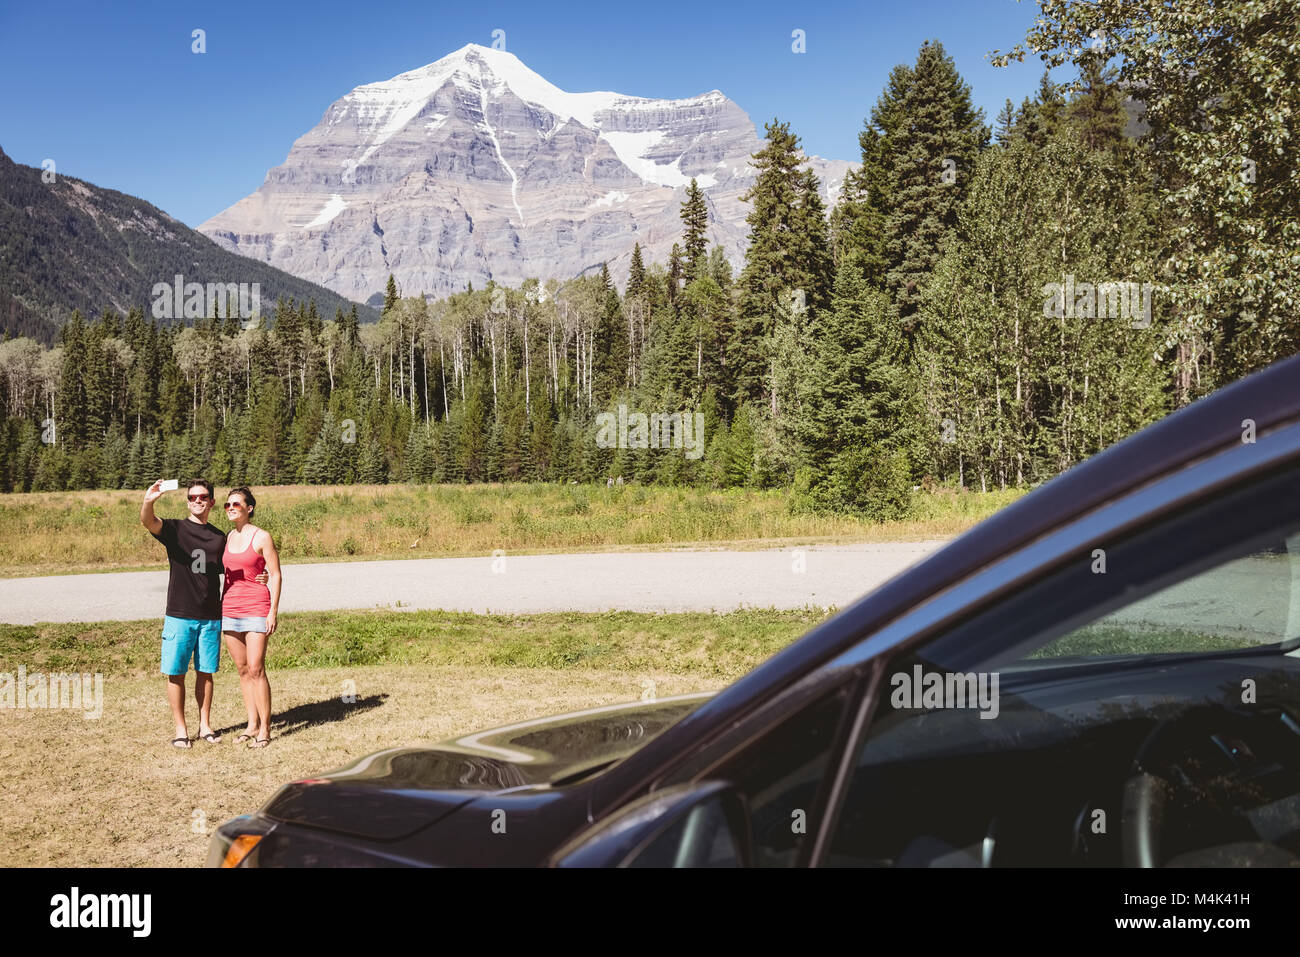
475 168
71 245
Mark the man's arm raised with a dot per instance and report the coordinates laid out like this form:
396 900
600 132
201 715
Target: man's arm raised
147 518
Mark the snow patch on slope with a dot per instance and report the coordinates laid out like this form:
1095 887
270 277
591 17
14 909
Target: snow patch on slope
514 180
333 206
632 147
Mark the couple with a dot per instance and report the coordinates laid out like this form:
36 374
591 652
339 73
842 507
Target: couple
198 612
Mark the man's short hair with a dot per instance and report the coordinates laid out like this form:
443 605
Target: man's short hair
201 481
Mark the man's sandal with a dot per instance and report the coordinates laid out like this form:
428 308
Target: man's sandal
244 737
211 737
181 743
259 743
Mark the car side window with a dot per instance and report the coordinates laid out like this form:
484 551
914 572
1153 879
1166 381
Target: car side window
1240 604
780 775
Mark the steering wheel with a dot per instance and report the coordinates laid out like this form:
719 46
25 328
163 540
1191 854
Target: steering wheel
1173 764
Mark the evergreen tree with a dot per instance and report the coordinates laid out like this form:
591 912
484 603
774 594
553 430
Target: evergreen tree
1006 124
851 416
858 223
1096 113
695 219
636 279
373 467
390 294
611 346
931 166
787 261
1039 119
676 272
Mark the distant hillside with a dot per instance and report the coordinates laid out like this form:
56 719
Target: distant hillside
72 245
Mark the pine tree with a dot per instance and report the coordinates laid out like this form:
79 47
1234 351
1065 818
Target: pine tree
931 166
852 410
1097 113
1040 118
390 294
1006 124
349 326
611 346
676 271
72 425
858 222
695 219
636 279
373 468
787 261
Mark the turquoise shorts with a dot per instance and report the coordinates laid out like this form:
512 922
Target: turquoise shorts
184 639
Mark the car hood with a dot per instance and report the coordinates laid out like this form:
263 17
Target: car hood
393 793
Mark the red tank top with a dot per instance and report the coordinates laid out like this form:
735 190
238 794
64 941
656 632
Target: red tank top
244 597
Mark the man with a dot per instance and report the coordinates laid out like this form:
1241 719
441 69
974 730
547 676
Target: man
192 624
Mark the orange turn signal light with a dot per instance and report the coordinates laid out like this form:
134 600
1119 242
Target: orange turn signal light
240 848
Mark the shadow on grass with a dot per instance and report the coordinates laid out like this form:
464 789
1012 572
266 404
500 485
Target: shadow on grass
304 716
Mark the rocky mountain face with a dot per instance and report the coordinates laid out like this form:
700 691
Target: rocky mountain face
475 168
67 244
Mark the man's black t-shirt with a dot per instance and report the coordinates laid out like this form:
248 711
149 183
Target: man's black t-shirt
194 551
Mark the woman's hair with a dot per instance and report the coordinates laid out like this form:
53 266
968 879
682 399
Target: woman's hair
247 492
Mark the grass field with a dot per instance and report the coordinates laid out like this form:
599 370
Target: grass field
723 646
112 792
46 533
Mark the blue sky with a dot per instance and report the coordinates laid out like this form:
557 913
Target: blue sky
113 93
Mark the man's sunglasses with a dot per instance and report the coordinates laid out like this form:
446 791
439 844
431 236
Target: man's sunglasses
198 498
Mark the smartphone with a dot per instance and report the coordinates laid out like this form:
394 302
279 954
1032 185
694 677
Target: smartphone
170 485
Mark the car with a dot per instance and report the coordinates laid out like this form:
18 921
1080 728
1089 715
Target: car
1106 672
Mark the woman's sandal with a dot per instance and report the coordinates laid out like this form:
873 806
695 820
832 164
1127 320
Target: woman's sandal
244 737
259 743
177 743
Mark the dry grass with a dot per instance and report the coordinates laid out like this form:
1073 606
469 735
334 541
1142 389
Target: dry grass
46 533
112 792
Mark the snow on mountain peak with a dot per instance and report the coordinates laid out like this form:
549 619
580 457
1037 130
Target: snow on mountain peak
384 108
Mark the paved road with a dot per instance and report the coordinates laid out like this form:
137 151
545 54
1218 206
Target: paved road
523 584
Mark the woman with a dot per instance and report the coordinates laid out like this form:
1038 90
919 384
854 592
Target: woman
248 610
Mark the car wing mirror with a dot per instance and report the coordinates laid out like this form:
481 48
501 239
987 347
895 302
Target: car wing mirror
703 824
